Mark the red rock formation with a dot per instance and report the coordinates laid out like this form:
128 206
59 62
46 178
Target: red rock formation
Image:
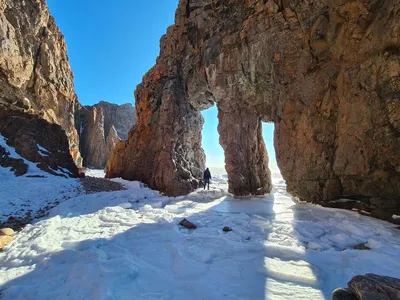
35 75
96 124
93 141
325 72
112 140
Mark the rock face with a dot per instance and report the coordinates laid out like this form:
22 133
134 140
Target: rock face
370 287
112 140
35 75
92 139
101 127
325 72
38 141
122 117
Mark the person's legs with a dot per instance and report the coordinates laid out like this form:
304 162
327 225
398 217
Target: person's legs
205 182
208 184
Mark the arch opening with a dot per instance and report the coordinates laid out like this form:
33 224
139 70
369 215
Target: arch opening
215 156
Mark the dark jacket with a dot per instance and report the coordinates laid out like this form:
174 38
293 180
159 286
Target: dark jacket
207 174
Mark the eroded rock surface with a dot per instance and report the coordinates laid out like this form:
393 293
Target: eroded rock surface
101 127
370 287
325 72
38 141
35 75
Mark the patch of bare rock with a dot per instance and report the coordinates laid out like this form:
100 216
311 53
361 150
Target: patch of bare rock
6 236
94 185
369 287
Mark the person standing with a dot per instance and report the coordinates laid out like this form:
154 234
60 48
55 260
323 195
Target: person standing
207 177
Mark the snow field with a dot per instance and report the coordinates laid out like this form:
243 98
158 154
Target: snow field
128 245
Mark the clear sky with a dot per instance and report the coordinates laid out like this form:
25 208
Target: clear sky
111 47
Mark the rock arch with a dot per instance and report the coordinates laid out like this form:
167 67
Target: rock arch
327 75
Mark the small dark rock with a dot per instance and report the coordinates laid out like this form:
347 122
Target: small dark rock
361 247
227 229
343 294
187 224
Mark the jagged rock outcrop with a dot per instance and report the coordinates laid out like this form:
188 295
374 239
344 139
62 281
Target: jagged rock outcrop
101 126
35 75
92 139
112 140
122 117
325 72
36 140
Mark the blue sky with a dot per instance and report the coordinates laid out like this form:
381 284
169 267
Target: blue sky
111 47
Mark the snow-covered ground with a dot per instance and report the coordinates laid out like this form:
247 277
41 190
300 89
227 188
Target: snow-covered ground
95 173
128 245
25 196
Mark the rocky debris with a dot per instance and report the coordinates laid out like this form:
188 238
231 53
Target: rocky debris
94 185
187 224
43 143
6 236
361 246
102 126
35 75
370 287
227 229
326 73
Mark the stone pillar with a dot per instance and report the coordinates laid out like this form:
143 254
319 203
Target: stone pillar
164 147
246 157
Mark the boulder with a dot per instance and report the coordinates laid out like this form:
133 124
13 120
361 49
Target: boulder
5 240
7 232
187 224
370 287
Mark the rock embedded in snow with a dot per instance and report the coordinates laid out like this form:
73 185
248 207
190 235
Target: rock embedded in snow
343 294
361 246
5 240
7 232
227 229
187 224
6 236
370 287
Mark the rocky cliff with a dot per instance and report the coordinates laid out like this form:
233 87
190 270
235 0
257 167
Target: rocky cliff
35 75
101 127
325 72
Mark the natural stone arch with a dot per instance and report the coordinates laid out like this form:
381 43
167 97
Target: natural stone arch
326 74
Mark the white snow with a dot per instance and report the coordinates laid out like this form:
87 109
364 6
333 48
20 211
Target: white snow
128 245
43 151
23 196
95 173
